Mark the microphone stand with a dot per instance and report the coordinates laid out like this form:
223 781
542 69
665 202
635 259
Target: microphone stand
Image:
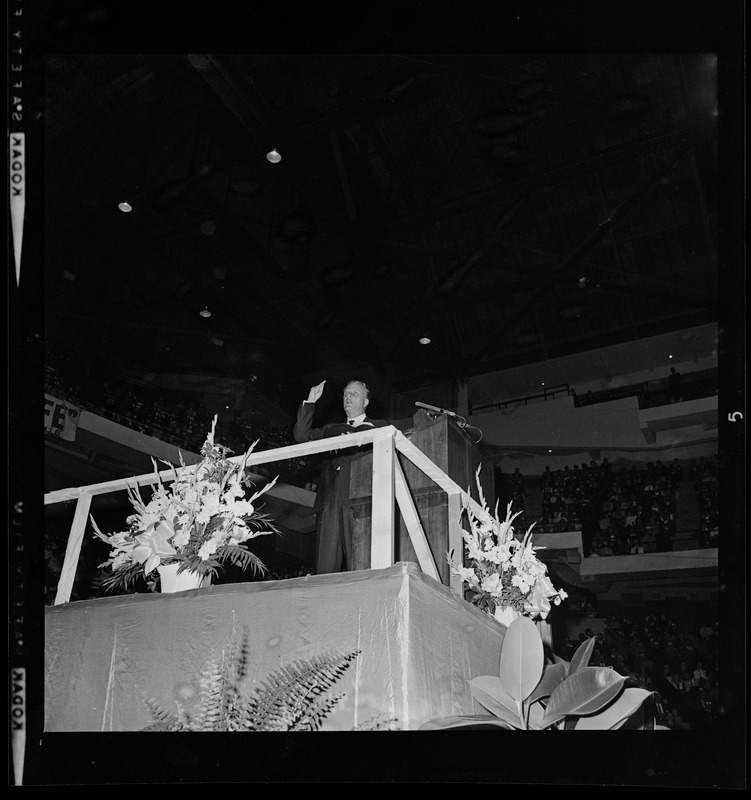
434 411
437 411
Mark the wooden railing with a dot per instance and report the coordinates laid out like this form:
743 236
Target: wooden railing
390 490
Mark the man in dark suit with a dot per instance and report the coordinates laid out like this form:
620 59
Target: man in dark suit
332 505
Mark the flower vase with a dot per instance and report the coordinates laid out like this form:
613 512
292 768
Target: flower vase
172 582
505 615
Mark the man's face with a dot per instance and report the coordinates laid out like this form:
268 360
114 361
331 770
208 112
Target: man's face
355 401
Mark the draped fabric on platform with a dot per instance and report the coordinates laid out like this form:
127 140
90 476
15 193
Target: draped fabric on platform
420 645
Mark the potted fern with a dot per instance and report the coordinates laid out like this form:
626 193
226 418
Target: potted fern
297 696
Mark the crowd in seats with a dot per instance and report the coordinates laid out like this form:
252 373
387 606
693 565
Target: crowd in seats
620 511
638 512
172 417
703 475
569 494
680 668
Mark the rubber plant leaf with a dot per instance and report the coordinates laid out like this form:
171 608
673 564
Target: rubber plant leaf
582 655
522 659
468 722
638 721
643 718
585 692
534 720
553 675
617 713
490 694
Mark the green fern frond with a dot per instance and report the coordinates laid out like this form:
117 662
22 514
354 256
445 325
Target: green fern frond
261 521
242 558
163 720
309 716
123 578
237 655
380 722
281 692
292 698
234 664
211 694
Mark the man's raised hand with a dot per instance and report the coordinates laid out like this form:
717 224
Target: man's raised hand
315 392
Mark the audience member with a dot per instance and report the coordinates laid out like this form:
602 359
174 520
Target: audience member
674 386
685 685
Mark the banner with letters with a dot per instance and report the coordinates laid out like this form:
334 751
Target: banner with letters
60 418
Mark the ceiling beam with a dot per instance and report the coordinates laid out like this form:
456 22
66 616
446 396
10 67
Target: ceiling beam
510 190
574 258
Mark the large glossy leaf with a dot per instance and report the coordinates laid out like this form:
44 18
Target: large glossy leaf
536 714
553 675
490 694
468 722
585 692
623 708
582 655
643 719
522 658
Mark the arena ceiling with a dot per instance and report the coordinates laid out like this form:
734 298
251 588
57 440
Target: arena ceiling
512 208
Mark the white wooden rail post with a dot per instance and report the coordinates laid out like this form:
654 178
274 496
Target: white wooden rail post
406 504
382 545
73 549
456 543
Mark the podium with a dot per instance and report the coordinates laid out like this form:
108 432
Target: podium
451 449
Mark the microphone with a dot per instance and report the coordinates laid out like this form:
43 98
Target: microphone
437 410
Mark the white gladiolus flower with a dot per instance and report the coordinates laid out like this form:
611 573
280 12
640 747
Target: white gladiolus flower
210 507
520 583
242 508
181 538
235 489
240 532
148 518
120 560
208 549
492 583
190 495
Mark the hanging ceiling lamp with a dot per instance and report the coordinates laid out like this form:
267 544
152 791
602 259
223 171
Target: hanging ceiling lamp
125 207
273 156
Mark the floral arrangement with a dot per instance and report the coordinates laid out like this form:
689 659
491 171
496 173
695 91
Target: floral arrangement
201 521
504 572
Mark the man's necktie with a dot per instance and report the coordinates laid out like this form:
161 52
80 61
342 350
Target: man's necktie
351 423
